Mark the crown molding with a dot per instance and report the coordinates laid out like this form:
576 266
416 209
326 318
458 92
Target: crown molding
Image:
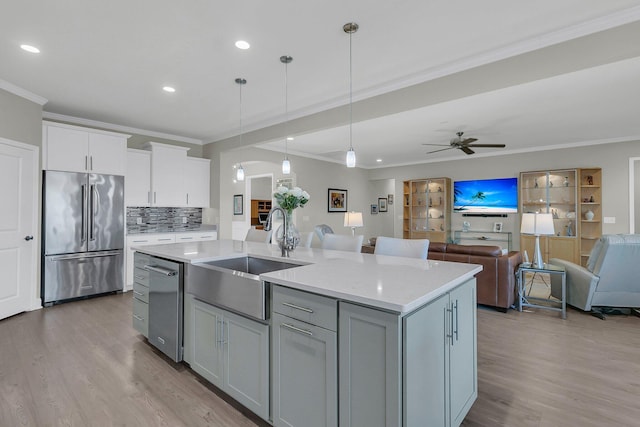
23 93
119 128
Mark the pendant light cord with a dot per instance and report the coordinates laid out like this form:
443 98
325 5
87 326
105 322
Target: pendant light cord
350 94
286 109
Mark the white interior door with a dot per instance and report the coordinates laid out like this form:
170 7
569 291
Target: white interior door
18 226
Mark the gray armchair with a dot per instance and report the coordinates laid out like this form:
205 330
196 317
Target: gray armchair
610 279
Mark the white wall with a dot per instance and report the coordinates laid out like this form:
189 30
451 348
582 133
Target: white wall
612 158
261 188
314 176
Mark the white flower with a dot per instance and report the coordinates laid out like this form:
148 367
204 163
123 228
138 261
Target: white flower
282 189
306 195
297 191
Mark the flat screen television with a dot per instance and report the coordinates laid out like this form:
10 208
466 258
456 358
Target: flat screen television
488 196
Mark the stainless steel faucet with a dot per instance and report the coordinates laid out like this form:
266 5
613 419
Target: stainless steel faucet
287 244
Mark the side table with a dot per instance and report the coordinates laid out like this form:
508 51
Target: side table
529 301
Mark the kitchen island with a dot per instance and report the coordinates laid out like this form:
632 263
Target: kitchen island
401 332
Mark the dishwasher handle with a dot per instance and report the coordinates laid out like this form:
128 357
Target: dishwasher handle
160 270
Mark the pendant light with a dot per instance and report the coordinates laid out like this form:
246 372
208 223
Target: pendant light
240 170
286 165
350 28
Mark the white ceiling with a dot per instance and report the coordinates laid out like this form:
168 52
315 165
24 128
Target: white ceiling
107 62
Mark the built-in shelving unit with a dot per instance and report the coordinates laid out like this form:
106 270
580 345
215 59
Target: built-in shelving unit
568 194
427 209
259 206
590 210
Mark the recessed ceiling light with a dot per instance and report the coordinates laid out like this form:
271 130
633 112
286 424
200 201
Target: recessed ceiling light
378 160
168 89
289 138
241 44
30 48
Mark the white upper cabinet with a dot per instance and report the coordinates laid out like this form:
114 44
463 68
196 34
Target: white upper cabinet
168 164
77 149
196 177
137 183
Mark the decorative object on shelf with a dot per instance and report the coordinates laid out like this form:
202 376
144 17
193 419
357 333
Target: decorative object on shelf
237 204
571 214
550 184
390 199
286 164
353 220
535 183
570 229
566 181
591 199
374 209
336 200
554 213
588 215
289 199
497 227
537 224
382 204
240 170
466 225
350 28
589 179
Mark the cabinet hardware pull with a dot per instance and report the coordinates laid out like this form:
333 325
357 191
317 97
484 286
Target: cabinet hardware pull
154 197
297 307
450 311
163 240
138 293
187 198
86 166
293 328
224 340
455 307
149 197
90 162
135 316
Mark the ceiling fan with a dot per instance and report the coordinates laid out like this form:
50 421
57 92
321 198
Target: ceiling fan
464 144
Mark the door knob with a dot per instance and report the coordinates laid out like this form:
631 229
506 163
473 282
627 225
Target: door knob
27 238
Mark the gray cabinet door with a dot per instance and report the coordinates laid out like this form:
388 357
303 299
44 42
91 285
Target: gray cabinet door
207 324
463 351
370 368
246 360
305 391
426 362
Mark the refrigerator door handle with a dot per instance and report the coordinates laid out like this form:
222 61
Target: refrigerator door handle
92 212
83 220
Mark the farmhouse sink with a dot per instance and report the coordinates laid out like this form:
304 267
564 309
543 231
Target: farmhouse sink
233 284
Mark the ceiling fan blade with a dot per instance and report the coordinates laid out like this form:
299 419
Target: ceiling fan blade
437 145
468 141
488 145
442 149
467 150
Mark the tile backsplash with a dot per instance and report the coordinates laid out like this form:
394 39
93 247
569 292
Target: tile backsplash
161 220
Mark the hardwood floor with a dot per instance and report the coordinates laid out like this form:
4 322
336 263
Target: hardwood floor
82 364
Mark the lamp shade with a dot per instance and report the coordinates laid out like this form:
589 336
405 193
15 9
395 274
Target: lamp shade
537 224
353 219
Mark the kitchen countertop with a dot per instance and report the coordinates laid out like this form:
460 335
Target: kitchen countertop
396 284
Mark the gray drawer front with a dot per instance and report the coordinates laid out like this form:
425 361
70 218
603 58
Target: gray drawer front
141 317
141 292
140 260
307 307
141 276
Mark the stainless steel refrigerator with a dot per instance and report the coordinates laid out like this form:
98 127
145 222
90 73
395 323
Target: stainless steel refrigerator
83 235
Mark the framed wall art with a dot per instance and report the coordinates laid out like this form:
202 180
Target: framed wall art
374 209
336 200
382 204
237 204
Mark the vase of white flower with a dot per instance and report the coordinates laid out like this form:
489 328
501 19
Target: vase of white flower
288 200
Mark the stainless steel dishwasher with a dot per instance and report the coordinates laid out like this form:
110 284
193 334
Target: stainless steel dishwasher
165 306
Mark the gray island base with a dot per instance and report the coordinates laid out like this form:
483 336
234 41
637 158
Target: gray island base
349 339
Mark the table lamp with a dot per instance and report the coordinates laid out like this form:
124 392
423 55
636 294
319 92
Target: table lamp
353 220
537 224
